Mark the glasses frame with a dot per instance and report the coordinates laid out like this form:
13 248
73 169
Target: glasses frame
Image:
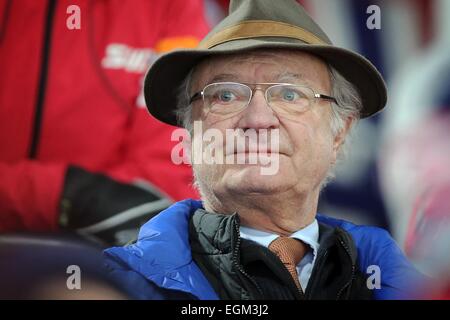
258 86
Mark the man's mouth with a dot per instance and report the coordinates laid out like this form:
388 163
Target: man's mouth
256 151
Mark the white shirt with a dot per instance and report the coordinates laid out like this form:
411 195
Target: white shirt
309 235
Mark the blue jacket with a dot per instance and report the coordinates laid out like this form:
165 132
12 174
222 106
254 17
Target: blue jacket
160 266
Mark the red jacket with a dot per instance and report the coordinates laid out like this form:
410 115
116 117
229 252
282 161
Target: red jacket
77 99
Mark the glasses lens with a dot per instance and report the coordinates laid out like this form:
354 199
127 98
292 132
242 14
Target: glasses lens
226 97
289 99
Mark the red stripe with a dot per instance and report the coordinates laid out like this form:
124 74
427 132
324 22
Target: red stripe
305 5
425 13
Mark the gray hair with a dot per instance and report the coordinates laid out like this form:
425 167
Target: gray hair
349 105
183 111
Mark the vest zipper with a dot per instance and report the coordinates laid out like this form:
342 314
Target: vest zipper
36 132
347 250
300 290
238 266
317 265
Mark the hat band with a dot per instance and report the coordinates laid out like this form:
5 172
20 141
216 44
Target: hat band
260 28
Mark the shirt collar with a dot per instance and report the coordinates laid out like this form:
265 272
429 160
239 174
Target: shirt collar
309 235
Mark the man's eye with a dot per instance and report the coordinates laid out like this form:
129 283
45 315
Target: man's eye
290 95
226 96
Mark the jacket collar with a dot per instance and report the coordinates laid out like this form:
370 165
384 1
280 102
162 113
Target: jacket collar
214 233
162 253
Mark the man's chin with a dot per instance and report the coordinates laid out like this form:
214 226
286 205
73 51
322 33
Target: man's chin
255 171
250 189
249 179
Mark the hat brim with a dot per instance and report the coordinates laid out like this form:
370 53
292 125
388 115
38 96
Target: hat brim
166 75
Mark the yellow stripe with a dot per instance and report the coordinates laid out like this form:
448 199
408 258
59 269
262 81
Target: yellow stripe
172 43
260 28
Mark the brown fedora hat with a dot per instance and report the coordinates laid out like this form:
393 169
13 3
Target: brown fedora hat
260 24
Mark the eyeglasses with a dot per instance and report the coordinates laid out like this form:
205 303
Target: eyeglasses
228 98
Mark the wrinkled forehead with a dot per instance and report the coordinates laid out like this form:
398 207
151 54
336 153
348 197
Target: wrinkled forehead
274 65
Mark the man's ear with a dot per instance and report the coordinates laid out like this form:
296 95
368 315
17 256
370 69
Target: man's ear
340 137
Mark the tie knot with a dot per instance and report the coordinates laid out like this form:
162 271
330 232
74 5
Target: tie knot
289 250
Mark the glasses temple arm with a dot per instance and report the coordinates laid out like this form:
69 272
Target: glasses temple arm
196 96
323 96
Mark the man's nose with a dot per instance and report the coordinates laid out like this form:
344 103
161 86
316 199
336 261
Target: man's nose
258 114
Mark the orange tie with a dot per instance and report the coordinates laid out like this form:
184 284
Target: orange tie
290 251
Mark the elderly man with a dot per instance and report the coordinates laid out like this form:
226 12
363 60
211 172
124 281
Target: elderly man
268 68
